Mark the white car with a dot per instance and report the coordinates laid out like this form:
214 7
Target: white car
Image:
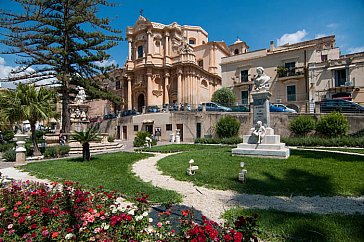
286 109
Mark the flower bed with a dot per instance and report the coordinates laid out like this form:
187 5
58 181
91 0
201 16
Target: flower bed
37 212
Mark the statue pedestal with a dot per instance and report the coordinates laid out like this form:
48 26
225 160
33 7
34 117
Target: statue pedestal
20 149
79 117
267 144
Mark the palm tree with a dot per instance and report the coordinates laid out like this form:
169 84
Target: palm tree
85 137
29 103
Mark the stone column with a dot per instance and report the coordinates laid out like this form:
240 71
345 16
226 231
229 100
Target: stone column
130 103
20 149
149 89
179 86
129 49
166 85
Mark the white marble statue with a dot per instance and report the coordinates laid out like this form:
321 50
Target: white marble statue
261 80
81 95
259 131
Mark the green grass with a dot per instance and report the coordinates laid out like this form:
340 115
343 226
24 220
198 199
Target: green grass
178 148
359 151
306 173
113 171
283 226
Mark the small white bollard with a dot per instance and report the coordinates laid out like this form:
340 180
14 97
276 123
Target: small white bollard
191 170
242 172
148 142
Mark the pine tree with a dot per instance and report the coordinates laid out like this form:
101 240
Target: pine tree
59 41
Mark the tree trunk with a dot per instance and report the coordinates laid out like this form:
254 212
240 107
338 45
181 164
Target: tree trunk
36 151
66 122
86 151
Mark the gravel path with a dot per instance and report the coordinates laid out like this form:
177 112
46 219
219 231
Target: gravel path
212 203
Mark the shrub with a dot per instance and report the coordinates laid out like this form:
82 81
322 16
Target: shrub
6 146
56 151
227 127
333 125
110 139
224 96
9 155
8 135
139 140
327 142
302 125
228 141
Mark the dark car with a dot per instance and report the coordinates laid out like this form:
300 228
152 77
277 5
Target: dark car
153 109
129 113
340 105
211 106
240 108
275 109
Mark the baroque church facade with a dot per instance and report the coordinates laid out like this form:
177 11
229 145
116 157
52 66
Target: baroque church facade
170 64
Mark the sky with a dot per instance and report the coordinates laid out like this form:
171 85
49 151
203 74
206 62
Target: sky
256 22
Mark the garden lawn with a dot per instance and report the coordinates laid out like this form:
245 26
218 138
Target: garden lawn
307 173
359 151
113 171
283 226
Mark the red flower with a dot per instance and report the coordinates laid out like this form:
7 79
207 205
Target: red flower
55 235
238 237
32 212
21 220
33 226
16 214
184 213
227 237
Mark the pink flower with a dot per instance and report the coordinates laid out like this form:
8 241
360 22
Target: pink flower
159 225
10 226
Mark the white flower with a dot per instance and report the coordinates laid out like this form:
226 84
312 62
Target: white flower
131 212
105 226
138 218
121 209
145 214
150 220
69 236
119 200
112 207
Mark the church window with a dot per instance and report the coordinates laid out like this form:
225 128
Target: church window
236 52
192 41
140 51
200 63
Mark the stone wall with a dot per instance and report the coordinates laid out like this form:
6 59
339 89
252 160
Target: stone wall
208 120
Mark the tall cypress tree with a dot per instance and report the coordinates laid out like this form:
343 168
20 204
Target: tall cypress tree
59 41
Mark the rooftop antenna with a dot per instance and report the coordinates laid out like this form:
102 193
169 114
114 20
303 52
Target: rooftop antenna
141 12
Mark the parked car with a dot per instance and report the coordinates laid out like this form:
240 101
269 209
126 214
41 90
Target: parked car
275 109
340 105
286 109
110 116
240 108
129 113
153 109
211 106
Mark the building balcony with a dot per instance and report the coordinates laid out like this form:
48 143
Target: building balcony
287 73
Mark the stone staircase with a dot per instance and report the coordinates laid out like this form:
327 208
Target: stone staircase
96 147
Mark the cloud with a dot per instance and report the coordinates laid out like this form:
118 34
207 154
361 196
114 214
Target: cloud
356 50
317 36
106 63
292 38
4 69
332 25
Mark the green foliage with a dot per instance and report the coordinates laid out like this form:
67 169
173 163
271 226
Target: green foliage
327 142
6 146
110 139
9 155
8 135
139 140
227 127
89 135
227 141
333 125
224 96
302 125
56 151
